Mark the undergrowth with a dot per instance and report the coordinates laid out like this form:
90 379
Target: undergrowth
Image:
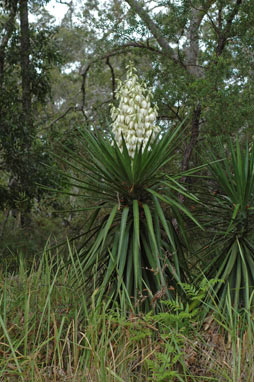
50 330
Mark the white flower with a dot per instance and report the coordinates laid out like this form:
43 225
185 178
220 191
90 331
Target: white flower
129 84
133 140
139 133
127 120
152 117
125 108
135 117
138 98
145 140
131 124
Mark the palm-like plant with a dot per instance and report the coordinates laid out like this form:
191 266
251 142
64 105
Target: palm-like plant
229 218
132 247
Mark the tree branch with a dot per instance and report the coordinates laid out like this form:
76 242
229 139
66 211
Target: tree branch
153 28
226 32
113 78
118 50
83 85
63 2
62 115
141 45
102 57
174 112
192 51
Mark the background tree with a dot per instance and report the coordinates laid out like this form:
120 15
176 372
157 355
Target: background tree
27 54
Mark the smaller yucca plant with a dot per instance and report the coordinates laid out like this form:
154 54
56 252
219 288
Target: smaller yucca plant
228 215
132 248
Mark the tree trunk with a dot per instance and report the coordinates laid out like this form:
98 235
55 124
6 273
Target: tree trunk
27 117
25 64
193 139
7 31
195 124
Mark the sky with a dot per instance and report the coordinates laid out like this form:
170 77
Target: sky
57 10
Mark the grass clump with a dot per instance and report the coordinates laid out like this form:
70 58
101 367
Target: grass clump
50 332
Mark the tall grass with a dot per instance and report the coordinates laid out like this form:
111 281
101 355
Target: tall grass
49 332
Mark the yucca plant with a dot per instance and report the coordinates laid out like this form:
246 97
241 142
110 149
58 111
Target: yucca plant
229 219
136 242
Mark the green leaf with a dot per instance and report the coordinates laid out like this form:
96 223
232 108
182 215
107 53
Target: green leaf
122 232
167 199
109 223
136 246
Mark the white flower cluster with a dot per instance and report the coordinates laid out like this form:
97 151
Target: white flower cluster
134 119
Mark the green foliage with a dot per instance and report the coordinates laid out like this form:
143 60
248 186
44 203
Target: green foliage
27 239
228 217
163 368
176 323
